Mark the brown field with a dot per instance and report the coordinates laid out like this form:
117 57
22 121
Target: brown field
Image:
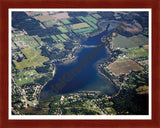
44 18
80 25
125 67
61 15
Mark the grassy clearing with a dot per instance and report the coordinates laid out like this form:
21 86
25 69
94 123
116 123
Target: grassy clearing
27 73
22 81
62 29
34 58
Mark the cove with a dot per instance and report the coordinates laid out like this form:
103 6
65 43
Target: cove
87 79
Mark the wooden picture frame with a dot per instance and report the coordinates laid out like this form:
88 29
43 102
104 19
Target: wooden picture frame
5 5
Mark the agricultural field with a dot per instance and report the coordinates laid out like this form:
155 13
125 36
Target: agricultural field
138 52
65 21
92 19
61 16
54 38
22 81
60 37
39 39
44 18
129 42
62 29
49 23
125 67
84 30
34 58
88 21
65 36
25 40
97 16
42 25
80 25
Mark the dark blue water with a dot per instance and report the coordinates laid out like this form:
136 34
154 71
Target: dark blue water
87 78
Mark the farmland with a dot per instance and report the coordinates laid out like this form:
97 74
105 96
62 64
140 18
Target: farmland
33 59
87 20
96 16
65 36
129 42
84 30
65 21
44 18
60 37
125 67
49 23
54 38
21 41
138 52
62 29
79 26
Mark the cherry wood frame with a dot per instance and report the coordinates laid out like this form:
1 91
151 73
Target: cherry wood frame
6 4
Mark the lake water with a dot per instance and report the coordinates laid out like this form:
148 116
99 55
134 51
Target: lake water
87 79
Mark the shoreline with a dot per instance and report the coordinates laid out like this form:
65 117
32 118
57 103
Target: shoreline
53 74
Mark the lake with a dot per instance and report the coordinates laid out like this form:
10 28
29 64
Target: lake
87 79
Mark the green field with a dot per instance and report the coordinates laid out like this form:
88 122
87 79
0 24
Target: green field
84 30
60 37
54 38
26 80
27 73
92 19
34 58
65 36
88 20
135 53
65 21
62 29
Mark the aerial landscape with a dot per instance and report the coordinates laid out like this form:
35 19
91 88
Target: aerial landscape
79 62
